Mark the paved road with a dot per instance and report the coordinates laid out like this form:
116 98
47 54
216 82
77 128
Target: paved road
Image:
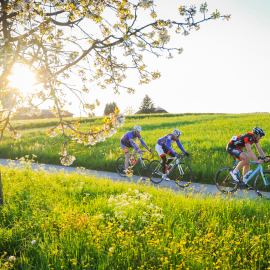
197 188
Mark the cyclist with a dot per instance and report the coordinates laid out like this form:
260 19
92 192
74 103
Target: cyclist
163 147
236 145
127 142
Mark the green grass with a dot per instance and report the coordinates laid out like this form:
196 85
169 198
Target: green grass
204 136
76 221
39 123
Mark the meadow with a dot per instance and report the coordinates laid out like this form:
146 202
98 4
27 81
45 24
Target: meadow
204 136
50 122
76 221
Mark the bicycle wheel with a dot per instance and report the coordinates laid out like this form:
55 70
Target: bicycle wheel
142 167
155 171
120 166
182 175
262 185
224 181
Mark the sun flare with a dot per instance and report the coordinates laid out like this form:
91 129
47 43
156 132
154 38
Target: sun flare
22 78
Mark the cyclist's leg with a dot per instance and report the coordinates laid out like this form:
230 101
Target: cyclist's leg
171 154
134 153
244 163
239 154
162 155
127 155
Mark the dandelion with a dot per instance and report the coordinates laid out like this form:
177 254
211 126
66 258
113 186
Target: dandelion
111 249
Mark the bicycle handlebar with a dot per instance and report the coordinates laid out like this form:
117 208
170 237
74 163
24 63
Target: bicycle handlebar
182 155
263 158
143 151
260 158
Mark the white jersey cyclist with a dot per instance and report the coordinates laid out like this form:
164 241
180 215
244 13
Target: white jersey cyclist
167 142
164 146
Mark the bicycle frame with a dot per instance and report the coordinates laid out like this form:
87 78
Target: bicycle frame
259 169
176 163
140 158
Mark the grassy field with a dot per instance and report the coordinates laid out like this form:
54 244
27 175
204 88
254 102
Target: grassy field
39 123
75 221
204 136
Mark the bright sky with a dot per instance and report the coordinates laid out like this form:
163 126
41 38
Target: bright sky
224 67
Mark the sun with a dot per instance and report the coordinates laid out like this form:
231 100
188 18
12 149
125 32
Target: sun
22 78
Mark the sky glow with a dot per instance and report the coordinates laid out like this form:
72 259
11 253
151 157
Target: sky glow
22 78
224 67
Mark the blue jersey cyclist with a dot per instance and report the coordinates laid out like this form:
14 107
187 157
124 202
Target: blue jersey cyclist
127 142
164 146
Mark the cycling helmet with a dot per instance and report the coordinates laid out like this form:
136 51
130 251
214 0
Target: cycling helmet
176 133
258 131
137 128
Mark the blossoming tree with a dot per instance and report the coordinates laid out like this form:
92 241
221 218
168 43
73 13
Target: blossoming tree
95 40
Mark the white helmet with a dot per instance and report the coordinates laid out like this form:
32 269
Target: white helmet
137 128
176 133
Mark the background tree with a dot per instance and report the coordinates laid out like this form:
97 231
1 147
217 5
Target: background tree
129 110
57 40
147 105
110 108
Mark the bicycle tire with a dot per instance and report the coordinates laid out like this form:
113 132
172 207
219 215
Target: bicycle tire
260 188
120 166
182 175
155 171
142 167
224 181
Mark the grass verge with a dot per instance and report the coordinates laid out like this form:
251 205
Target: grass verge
77 221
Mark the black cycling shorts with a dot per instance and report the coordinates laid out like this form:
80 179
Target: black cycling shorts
234 152
127 144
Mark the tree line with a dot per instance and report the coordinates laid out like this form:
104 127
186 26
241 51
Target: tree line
147 106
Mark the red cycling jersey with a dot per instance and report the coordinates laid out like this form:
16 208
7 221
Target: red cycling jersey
239 141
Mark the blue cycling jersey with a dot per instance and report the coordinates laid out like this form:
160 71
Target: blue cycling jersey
129 136
168 140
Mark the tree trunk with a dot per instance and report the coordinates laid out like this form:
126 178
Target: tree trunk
1 192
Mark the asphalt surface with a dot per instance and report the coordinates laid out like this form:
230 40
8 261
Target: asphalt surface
204 189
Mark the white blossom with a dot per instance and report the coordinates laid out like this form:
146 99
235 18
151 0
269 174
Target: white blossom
33 242
67 160
185 33
12 258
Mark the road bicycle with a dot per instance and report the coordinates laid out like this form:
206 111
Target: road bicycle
180 172
141 164
226 184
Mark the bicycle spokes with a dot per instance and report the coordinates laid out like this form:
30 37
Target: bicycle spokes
224 181
182 175
261 184
155 171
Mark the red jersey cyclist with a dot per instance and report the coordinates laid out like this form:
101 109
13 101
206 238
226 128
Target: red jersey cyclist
164 146
236 145
127 142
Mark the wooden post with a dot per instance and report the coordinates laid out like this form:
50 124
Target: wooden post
1 192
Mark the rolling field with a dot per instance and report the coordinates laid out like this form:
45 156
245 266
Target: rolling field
204 136
75 221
